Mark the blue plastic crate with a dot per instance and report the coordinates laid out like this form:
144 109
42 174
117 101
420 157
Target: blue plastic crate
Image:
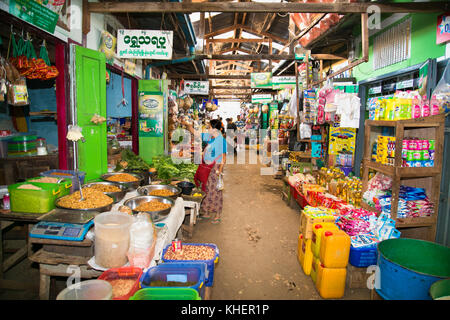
75 182
177 271
210 263
363 256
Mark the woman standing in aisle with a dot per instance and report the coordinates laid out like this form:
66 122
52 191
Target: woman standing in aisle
208 173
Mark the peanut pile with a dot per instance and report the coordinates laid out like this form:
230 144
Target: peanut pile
190 252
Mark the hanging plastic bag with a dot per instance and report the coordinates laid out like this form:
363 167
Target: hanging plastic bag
141 240
18 93
305 131
220 184
441 94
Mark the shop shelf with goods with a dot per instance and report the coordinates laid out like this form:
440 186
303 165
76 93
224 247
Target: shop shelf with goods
429 178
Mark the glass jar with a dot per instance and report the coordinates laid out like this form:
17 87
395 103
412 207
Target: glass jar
41 146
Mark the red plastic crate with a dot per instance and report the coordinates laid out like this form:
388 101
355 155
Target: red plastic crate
301 200
123 273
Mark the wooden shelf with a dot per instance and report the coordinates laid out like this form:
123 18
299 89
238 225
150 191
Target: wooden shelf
427 127
43 113
405 222
416 222
431 121
403 172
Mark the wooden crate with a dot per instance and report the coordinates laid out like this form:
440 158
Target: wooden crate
357 277
306 224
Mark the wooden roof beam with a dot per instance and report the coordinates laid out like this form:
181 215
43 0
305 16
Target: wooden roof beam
264 34
237 40
221 31
264 7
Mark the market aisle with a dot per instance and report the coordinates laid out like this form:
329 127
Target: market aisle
257 239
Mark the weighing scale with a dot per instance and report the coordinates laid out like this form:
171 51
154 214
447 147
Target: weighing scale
70 225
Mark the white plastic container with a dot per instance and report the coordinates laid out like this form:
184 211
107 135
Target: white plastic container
87 290
112 239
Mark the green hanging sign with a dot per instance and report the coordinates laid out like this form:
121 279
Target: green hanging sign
33 12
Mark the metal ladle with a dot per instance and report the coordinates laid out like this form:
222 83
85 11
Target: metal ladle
79 183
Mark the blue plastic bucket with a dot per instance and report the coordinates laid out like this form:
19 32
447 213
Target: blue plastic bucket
408 267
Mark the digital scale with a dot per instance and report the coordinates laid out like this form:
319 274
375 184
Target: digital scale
70 225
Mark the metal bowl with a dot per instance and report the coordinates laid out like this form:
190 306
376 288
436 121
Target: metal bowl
130 185
100 209
117 196
155 215
145 190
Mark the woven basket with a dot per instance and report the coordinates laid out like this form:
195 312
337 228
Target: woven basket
195 199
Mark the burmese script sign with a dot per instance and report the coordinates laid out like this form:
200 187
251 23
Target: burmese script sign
144 44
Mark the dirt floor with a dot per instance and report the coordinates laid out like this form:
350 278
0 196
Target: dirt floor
257 240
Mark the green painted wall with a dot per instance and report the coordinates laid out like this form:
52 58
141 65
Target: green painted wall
423 46
152 146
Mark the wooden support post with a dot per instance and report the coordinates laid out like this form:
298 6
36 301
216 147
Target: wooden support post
86 18
44 286
298 98
201 28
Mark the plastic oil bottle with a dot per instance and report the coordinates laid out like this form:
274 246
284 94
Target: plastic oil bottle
314 268
334 249
331 282
318 229
305 254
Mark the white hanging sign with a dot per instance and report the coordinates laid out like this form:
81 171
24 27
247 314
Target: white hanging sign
144 44
196 87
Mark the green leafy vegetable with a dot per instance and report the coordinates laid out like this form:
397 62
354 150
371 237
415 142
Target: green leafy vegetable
133 162
168 170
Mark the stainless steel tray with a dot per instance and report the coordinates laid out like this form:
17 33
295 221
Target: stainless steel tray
130 185
117 196
145 190
155 215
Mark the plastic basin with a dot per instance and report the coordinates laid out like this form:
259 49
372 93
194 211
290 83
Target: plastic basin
210 263
408 268
87 290
178 272
166 294
125 273
186 187
440 290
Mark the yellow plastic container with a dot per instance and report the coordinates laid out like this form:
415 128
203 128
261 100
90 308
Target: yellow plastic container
307 221
331 282
314 269
304 254
334 249
318 229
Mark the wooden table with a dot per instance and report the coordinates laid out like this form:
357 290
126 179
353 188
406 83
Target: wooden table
9 219
60 258
192 209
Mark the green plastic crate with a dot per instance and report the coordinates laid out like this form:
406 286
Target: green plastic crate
33 201
64 186
166 294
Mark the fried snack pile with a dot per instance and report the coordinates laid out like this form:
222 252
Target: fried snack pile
122 177
92 199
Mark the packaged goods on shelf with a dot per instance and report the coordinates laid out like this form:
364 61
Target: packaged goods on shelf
404 106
